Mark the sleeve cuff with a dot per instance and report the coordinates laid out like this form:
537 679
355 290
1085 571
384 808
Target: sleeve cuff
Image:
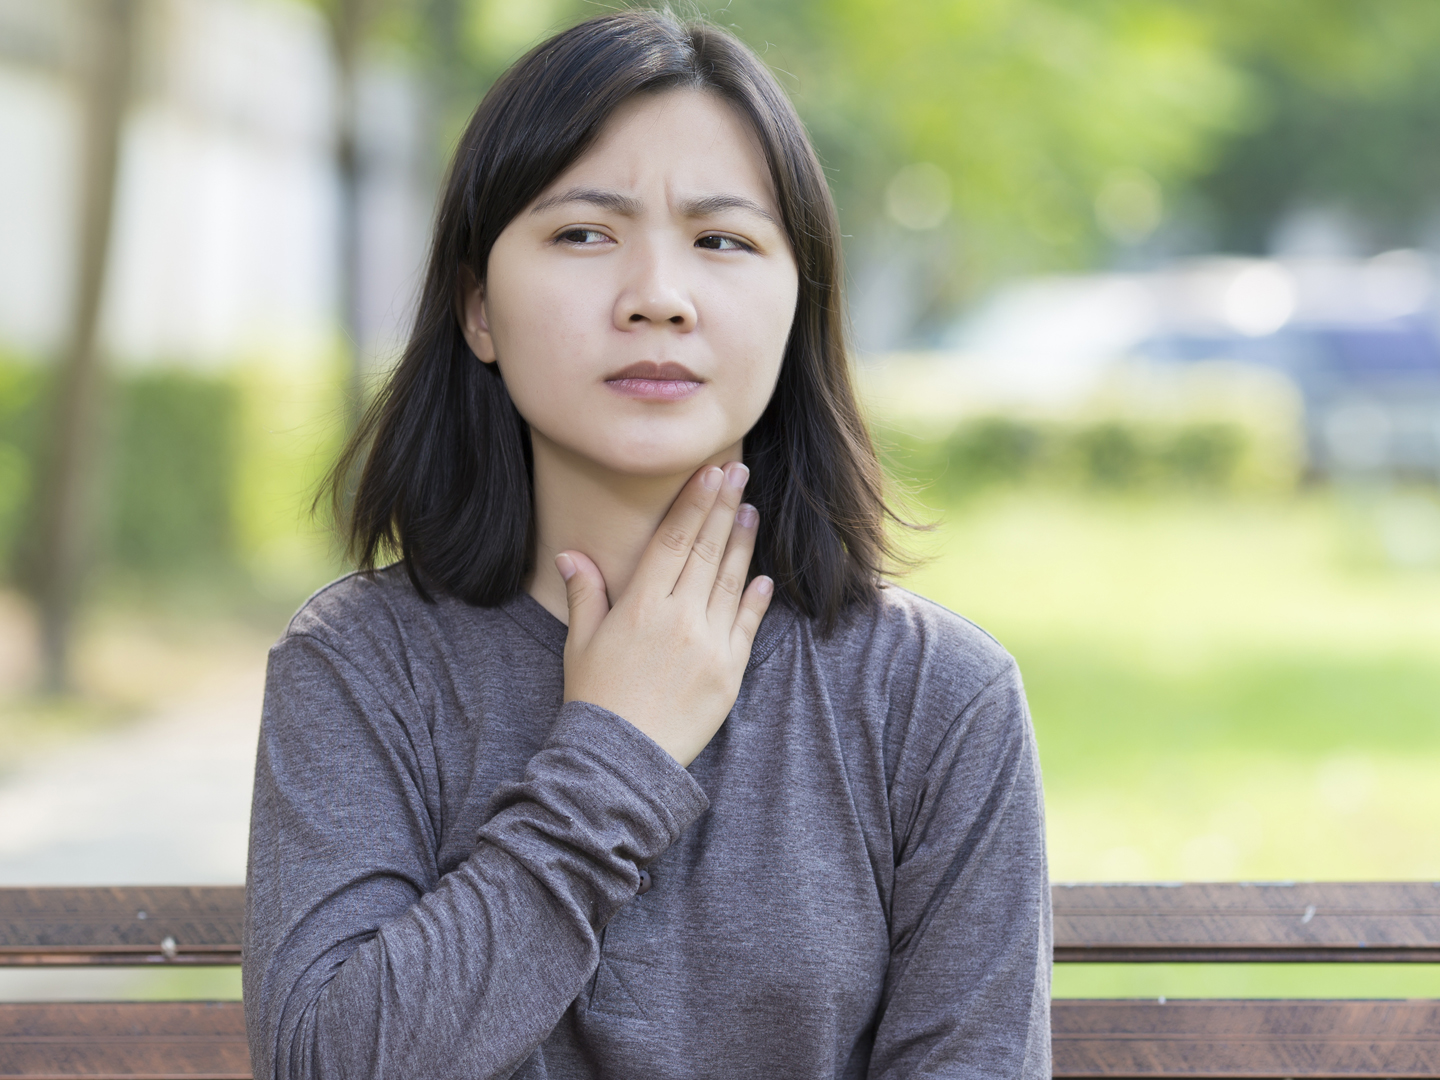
633 759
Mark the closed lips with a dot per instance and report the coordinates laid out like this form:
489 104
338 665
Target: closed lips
650 381
650 371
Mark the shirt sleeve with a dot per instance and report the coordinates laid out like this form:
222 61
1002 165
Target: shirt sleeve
360 959
968 988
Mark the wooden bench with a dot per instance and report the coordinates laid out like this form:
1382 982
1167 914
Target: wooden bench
1304 923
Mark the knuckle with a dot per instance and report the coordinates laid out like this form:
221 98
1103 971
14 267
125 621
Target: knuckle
729 582
674 540
708 549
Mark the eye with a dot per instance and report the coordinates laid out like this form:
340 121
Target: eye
717 242
582 237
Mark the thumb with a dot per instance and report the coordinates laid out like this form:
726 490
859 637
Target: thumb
584 594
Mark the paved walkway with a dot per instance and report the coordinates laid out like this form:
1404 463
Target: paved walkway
163 801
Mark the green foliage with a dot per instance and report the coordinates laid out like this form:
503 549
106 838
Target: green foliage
174 472
1037 108
1374 157
1109 455
994 449
168 469
1044 119
1346 106
1206 455
20 391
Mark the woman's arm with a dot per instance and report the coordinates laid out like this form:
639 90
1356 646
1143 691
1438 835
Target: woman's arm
968 989
360 960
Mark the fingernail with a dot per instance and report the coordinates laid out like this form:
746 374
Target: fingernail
565 565
764 586
747 515
710 478
737 474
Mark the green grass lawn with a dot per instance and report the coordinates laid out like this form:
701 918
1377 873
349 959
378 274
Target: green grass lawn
1223 688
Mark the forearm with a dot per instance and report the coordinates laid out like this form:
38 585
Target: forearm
382 973
466 983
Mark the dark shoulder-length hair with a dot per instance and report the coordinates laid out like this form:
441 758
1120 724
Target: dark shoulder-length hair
443 457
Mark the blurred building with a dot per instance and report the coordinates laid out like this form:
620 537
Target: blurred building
225 243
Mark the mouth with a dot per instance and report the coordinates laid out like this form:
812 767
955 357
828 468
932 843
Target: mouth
649 381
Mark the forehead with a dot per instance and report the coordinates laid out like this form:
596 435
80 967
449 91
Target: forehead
682 141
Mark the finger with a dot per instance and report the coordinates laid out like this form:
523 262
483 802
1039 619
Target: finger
697 579
730 579
668 549
753 606
584 595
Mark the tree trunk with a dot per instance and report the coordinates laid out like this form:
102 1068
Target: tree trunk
64 508
348 19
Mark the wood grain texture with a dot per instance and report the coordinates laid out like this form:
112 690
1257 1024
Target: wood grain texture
1233 922
1226 922
160 1039
1219 1039
125 925
1246 1038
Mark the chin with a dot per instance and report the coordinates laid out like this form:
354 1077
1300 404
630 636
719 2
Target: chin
676 446
655 464
656 457
679 444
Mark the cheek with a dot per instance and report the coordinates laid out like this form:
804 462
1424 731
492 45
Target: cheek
543 331
757 322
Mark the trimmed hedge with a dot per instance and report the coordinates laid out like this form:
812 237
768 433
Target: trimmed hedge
168 466
1110 454
175 466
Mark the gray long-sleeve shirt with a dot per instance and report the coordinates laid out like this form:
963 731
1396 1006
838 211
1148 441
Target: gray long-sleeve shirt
849 881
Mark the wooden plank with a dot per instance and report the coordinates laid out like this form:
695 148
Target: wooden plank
1233 922
159 1040
1259 1039
1217 1039
123 925
1224 922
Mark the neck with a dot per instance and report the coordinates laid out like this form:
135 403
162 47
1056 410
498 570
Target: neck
583 506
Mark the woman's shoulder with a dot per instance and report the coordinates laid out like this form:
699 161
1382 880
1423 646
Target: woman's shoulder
355 602
381 611
908 625
916 655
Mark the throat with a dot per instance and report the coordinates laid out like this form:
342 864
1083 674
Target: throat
608 516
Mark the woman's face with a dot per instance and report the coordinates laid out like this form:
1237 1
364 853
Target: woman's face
640 306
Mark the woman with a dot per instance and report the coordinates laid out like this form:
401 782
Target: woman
560 794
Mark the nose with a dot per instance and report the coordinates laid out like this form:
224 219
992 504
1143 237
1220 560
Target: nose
654 292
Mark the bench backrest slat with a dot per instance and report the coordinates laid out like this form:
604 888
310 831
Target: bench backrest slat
122 925
1364 921
1231 921
1246 1038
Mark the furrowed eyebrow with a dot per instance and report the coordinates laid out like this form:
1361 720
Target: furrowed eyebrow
711 204
606 200
624 204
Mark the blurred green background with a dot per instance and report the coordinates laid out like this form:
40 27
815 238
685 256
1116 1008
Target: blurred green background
1232 655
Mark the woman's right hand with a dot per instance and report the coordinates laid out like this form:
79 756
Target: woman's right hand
669 656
